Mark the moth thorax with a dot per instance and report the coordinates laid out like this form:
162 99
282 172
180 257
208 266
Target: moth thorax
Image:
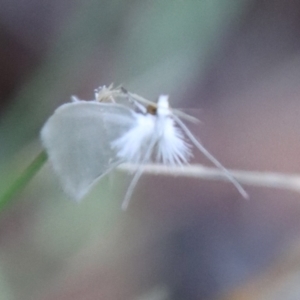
163 108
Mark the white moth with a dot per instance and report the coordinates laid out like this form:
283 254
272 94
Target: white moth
85 140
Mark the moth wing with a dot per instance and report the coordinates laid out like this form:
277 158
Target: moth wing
77 139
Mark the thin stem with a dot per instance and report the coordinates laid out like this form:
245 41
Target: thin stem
23 179
252 178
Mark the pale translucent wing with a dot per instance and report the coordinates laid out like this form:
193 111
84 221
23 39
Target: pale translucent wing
77 139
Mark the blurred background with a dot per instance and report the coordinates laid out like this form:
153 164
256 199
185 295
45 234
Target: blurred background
238 61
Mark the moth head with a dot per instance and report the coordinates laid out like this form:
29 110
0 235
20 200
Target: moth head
152 110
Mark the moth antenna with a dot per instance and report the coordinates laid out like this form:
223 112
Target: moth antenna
138 174
140 107
133 100
186 116
208 155
177 112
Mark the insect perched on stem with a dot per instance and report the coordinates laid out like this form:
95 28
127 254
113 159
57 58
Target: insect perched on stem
87 139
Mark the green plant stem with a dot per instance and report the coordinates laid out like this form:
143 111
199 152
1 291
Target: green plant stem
23 179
